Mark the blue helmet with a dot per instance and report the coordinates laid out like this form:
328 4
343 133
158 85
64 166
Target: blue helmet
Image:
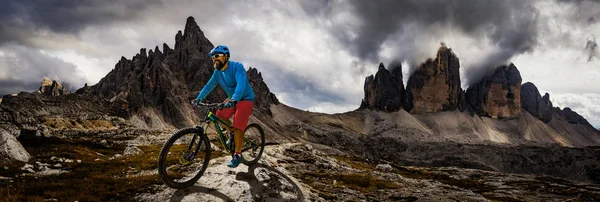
219 49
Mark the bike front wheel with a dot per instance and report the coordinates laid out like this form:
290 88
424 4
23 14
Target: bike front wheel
184 158
254 144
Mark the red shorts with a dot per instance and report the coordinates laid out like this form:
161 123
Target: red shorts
240 112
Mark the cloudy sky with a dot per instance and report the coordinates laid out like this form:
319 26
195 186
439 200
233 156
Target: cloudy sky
314 54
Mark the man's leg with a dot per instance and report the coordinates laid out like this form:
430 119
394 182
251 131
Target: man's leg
225 114
243 111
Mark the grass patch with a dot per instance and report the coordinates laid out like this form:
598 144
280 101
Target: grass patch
90 180
355 162
64 123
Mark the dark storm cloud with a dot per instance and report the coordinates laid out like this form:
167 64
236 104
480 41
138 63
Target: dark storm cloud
510 25
16 86
20 19
25 68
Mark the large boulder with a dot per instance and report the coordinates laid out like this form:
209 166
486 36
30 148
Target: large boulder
385 91
497 95
435 85
10 149
532 102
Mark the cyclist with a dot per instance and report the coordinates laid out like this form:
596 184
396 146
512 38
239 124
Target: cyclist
231 76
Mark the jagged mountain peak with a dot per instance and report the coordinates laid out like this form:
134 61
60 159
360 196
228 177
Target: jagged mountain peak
191 26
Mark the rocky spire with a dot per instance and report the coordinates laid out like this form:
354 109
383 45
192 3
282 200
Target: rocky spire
385 91
435 85
532 102
497 95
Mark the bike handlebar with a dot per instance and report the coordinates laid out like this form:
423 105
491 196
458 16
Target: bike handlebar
211 105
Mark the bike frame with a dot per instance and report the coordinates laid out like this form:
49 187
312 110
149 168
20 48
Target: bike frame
215 120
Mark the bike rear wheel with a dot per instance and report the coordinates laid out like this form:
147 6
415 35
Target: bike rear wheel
254 144
184 158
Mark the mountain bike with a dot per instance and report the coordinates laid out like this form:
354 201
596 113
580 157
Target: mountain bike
185 156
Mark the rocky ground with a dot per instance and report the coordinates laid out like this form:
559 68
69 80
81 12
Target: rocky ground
71 169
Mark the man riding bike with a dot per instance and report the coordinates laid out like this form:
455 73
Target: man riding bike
231 76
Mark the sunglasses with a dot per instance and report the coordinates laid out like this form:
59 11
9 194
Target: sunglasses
217 55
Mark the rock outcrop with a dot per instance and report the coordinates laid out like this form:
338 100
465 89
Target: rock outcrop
435 85
536 105
497 95
157 87
52 88
385 91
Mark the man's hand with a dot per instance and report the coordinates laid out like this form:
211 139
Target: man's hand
230 103
195 102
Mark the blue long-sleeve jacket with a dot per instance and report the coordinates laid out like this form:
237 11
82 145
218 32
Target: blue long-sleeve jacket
233 80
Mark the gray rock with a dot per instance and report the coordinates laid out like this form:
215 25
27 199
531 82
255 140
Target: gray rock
132 150
28 168
384 167
11 150
115 156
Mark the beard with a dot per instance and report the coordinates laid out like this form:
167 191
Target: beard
218 65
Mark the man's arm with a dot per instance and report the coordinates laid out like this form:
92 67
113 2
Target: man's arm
240 79
210 85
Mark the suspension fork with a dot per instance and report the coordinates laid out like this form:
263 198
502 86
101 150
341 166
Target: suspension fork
197 135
